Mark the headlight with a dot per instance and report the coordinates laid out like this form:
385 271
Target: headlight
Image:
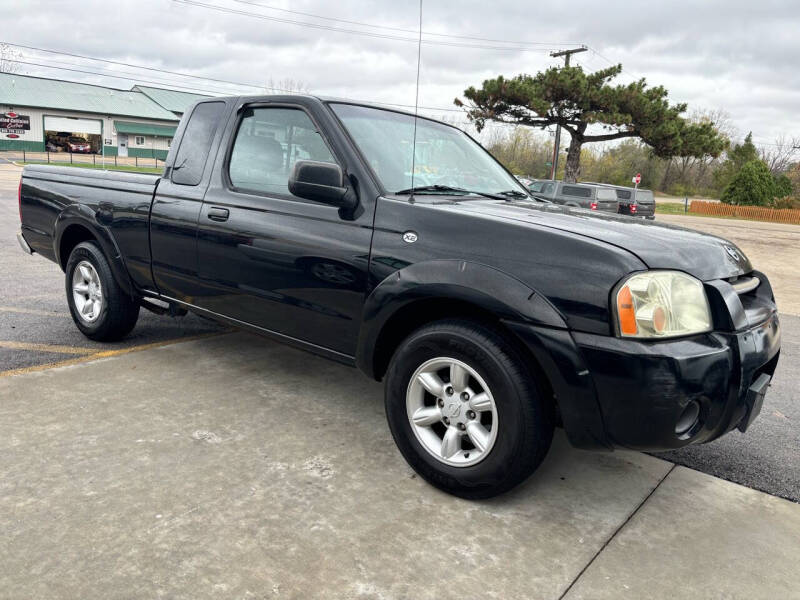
659 304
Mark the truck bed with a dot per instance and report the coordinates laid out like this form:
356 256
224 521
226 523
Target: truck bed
114 200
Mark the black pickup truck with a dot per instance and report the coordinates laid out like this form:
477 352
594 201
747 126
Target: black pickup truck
403 248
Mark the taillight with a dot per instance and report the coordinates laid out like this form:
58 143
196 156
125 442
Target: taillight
19 199
633 208
593 205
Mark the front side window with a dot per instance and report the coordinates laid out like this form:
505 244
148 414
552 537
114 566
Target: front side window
268 143
443 155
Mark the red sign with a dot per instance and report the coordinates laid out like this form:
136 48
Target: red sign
12 122
638 179
13 136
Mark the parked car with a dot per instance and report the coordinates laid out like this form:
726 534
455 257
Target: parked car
52 146
633 202
77 145
489 315
579 195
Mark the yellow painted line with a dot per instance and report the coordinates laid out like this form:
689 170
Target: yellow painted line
33 311
45 347
107 354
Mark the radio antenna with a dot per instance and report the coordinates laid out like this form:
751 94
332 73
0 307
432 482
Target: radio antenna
416 105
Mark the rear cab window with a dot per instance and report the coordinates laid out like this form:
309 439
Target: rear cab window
606 194
195 145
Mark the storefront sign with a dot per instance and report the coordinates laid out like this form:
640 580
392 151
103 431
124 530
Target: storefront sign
12 122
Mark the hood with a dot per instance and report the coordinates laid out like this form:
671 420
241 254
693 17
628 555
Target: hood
657 245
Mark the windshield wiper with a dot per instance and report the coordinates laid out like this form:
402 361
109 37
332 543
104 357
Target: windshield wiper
447 190
514 194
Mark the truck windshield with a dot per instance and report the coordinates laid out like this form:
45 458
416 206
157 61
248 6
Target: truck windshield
444 156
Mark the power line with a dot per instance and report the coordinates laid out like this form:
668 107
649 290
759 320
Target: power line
119 75
399 29
234 11
613 64
198 89
73 70
156 69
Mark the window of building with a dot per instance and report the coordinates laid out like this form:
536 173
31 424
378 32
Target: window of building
139 140
268 143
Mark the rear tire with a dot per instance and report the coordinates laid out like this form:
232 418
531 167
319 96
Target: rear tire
99 307
495 427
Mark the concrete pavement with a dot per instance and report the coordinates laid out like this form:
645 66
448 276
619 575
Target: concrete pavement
234 467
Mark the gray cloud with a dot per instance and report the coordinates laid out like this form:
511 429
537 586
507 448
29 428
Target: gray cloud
735 55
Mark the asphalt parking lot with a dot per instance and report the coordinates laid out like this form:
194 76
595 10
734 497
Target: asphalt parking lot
36 329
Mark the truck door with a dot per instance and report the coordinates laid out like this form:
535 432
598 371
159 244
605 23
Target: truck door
179 197
273 260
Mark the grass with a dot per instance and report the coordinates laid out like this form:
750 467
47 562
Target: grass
670 208
675 208
108 167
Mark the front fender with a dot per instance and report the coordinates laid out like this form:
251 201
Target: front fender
480 285
84 216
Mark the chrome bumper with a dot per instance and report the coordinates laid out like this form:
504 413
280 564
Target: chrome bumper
23 244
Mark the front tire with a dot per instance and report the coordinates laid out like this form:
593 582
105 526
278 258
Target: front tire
464 409
99 307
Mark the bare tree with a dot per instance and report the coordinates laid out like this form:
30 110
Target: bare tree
287 86
8 58
780 155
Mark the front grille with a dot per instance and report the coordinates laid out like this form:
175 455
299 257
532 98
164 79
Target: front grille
745 285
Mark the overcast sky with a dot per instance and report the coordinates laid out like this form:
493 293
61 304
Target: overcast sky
732 55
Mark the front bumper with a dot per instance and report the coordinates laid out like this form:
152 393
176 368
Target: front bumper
668 394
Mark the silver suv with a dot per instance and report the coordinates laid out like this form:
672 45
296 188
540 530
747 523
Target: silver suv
592 197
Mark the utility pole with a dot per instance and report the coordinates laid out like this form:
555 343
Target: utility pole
566 54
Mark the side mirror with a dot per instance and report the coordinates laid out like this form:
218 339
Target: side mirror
321 182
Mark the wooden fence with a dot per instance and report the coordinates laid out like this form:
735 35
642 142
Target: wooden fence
753 213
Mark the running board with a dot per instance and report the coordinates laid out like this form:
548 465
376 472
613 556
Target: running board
160 307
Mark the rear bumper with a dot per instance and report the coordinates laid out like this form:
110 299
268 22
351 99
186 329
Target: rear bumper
638 210
23 244
668 394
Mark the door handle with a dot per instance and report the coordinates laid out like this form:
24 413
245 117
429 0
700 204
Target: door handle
218 214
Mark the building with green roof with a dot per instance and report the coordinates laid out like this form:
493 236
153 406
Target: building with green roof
38 114
171 100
